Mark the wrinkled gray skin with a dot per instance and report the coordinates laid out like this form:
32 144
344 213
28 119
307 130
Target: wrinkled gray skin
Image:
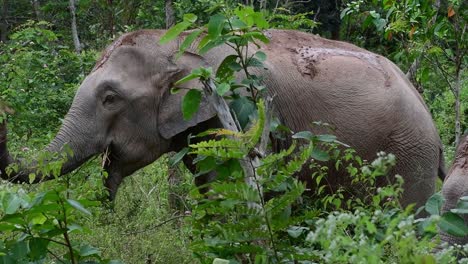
125 105
456 186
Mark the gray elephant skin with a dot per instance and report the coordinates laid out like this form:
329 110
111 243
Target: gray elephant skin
456 186
125 105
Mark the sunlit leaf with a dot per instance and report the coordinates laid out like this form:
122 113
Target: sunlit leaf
191 103
453 224
434 203
78 206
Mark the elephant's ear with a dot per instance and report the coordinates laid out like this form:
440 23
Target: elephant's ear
170 118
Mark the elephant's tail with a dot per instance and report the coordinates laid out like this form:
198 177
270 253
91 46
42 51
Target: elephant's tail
441 170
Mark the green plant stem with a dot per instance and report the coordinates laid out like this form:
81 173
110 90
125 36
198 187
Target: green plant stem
65 233
55 256
267 220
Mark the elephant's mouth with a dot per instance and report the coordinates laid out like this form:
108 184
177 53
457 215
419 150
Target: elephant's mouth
114 178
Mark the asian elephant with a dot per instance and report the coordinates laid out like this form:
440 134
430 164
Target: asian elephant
456 186
125 105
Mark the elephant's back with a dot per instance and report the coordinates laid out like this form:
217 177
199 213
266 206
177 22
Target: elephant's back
349 87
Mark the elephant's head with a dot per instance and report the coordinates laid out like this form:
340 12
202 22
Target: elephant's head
124 107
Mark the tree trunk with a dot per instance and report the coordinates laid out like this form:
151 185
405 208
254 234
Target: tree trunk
76 40
170 14
111 18
37 9
3 22
457 107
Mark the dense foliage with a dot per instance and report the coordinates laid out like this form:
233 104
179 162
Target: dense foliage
240 223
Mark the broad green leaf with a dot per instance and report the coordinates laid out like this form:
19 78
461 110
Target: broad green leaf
320 155
38 219
88 250
173 32
243 107
210 45
190 18
260 20
257 35
254 62
191 103
224 70
78 206
222 88
461 208
245 14
216 25
188 41
12 203
6 227
453 224
38 248
237 24
19 250
261 56
434 203
303 135
326 138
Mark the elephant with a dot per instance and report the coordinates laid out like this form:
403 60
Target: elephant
125 106
456 186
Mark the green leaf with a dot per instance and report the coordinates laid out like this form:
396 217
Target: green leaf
88 250
237 24
210 45
178 157
220 261
453 224
175 90
216 25
188 41
461 208
261 56
260 20
243 107
326 138
225 70
320 155
78 206
254 62
38 248
257 35
296 231
222 88
174 31
190 18
196 73
434 203
191 103
12 203
303 135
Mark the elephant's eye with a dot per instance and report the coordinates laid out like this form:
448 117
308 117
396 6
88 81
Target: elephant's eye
109 99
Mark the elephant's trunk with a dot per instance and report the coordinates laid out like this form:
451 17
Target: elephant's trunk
67 145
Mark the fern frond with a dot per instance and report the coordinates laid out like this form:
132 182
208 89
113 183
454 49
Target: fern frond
224 148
